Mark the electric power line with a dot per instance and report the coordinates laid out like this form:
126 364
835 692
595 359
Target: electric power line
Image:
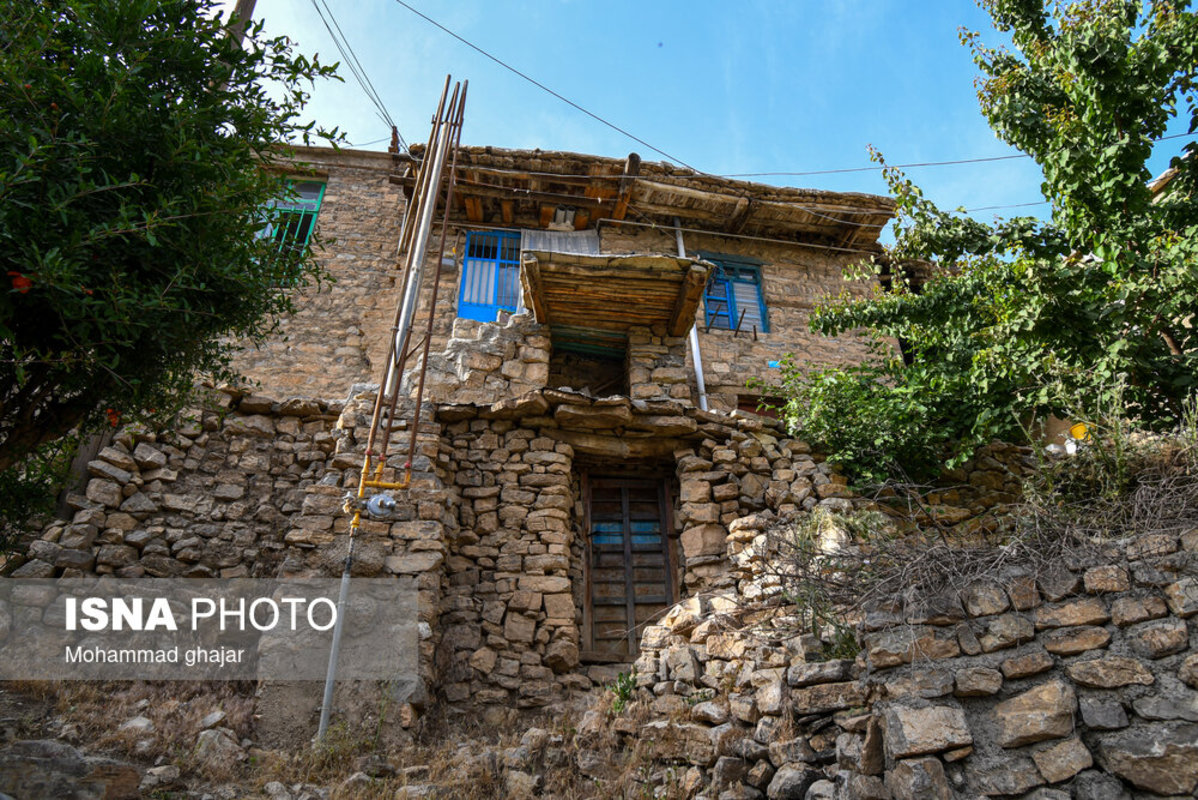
355 66
545 88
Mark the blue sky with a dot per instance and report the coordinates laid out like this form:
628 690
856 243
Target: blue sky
726 87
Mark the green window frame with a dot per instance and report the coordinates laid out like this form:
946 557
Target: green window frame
291 220
734 298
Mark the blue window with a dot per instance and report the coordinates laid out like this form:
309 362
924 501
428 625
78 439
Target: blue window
733 298
490 275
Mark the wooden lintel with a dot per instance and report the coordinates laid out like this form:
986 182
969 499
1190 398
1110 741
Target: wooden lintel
745 206
582 218
507 210
534 289
632 167
547 212
683 314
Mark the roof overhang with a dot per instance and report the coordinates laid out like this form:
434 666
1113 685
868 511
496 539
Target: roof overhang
545 189
613 292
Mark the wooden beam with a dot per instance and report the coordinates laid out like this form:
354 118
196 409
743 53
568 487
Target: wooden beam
683 314
474 208
745 207
507 209
582 218
534 289
632 168
556 198
547 212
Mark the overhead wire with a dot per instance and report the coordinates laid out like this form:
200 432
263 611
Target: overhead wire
545 88
355 66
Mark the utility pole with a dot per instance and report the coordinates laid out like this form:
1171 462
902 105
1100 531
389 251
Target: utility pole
242 14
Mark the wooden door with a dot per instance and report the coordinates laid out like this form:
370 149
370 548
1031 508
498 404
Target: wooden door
629 580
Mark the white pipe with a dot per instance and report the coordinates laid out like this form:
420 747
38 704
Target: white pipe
696 357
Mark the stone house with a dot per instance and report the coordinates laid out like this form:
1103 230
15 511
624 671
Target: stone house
586 434
598 318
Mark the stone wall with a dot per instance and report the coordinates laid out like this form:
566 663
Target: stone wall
341 330
1077 683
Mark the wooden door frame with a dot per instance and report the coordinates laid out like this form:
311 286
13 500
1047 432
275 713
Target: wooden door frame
669 553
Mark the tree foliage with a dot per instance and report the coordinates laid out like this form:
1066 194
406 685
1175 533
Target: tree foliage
1027 317
138 151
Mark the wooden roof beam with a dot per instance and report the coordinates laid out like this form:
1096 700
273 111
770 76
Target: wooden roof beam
682 316
632 168
534 289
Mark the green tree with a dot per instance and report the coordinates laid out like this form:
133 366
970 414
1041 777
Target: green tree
1026 316
139 147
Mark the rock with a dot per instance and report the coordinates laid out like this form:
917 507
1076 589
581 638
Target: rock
821 790
520 785
1062 761
159 778
1026 665
977 682
1005 631
800 675
1094 785
213 719
1160 758
217 747
823 698
1012 776
918 779
1109 672
1160 638
791 783
137 725
1188 671
49 770
1045 712
1108 578
1086 611
1102 714
1129 610
915 730
710 712
561 656
1073 641
1181 596
984 598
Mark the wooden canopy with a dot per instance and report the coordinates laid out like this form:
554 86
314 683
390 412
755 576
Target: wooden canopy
613 292
571 191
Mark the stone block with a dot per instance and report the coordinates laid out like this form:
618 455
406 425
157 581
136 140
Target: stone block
1109 672
1130 610
1062 761
1084 611
1073 641
977 682
918 779
1102 713
1027 664
1160 757
519 628
1159 638
1006 630
1044 712
819 672
1105 579
915 730
827 697
983 598
1182 596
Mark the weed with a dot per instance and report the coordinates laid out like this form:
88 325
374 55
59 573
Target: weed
622 688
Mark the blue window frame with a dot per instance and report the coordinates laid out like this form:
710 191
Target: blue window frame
733 298
490 275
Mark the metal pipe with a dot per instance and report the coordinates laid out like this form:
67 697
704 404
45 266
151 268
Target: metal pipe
455 133
416 258
696 356
426 199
